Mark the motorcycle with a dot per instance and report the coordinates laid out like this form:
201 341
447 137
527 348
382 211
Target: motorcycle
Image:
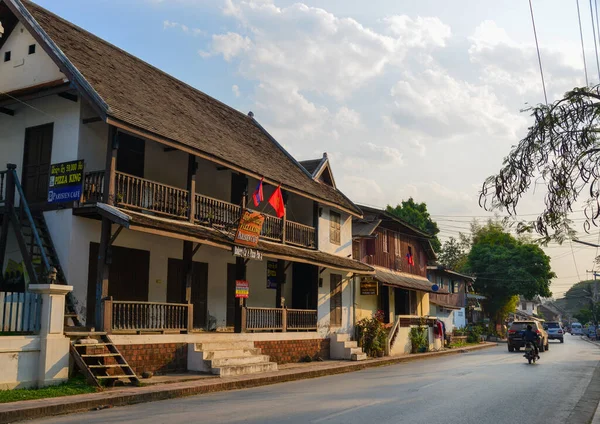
530 353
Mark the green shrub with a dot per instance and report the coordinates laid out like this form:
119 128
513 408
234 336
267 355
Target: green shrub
371 335
418 339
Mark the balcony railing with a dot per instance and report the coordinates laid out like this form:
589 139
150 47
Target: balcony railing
138 317
452 299
278 319
2 187
141 194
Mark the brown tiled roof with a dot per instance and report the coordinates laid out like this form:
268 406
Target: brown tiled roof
311 165
152 101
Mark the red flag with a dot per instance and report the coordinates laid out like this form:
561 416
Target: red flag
276 200
257 197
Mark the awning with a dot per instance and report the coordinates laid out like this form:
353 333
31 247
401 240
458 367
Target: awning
402 279
445 305
183 230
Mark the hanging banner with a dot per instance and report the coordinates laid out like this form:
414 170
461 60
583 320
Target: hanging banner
242 288
271 274
245 252
249 228
66 182
369 286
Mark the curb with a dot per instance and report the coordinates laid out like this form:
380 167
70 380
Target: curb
27 410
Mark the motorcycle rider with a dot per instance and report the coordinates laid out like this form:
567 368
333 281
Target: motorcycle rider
532 337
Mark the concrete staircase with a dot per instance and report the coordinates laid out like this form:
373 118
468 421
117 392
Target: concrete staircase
342 348
228 358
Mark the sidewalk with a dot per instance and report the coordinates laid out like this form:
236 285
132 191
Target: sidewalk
17 411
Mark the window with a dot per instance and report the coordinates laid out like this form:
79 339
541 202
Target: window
7 56
32 49
335 228
335 300
131 155
385 241
370 247
440 281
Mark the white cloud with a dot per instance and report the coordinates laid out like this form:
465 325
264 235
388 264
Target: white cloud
229 45
236 90
191 31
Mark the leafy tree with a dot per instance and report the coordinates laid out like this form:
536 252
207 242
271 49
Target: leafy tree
506 267
561 150
453 254
584 316
416 214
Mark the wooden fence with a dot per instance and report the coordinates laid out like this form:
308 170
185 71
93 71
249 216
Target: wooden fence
20 312
278 319
139 317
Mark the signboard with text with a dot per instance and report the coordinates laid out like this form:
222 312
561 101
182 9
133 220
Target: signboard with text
242 289
249 228
246 252
271 274
66 182
369 286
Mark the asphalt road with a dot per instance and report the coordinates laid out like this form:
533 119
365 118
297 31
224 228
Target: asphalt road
489 386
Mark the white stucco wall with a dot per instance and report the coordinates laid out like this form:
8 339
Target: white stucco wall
345 247
23 69
20 357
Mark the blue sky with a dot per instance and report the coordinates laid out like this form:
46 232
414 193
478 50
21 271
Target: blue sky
408 98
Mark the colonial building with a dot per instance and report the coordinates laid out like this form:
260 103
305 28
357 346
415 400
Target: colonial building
135 186
399 254
449 302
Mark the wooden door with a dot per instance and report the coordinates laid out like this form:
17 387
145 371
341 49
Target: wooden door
239 184
36 163
305 286
131 155
335 300
128 276
176 288
230 320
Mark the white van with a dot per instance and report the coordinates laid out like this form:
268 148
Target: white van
576 329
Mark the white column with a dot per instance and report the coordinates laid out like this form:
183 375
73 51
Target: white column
53 366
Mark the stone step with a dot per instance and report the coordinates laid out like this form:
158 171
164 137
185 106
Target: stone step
341 337
352 350
244 369
215 354
225 345
358 357
350 344
238 360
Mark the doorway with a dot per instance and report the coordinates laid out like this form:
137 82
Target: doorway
230 317
384 302
199 295
305 280
128 276
36 163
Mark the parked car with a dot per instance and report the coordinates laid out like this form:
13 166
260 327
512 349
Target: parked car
515 335
576 329
555 331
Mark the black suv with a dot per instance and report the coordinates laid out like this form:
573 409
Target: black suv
515 335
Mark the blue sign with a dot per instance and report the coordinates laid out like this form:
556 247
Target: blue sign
66 182
435 287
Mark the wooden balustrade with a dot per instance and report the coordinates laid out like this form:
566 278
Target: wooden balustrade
272 228
300 234
141 194
2 186
20 312
216 212
278 319
93 186
301 319
124 316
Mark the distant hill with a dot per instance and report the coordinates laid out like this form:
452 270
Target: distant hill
575 298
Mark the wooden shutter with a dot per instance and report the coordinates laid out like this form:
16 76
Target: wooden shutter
335 228
335 300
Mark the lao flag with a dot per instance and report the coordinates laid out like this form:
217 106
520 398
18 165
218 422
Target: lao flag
257 197
410 259
276 200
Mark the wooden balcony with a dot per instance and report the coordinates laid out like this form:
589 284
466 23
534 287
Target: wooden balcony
452 299
136 193
278 319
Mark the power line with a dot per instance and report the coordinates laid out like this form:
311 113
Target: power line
595 41
573 252
538 50
582 48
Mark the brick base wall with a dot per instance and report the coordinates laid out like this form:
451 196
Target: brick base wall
287 351
156 358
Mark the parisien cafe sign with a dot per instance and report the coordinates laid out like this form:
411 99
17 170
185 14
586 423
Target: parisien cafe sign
249 228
